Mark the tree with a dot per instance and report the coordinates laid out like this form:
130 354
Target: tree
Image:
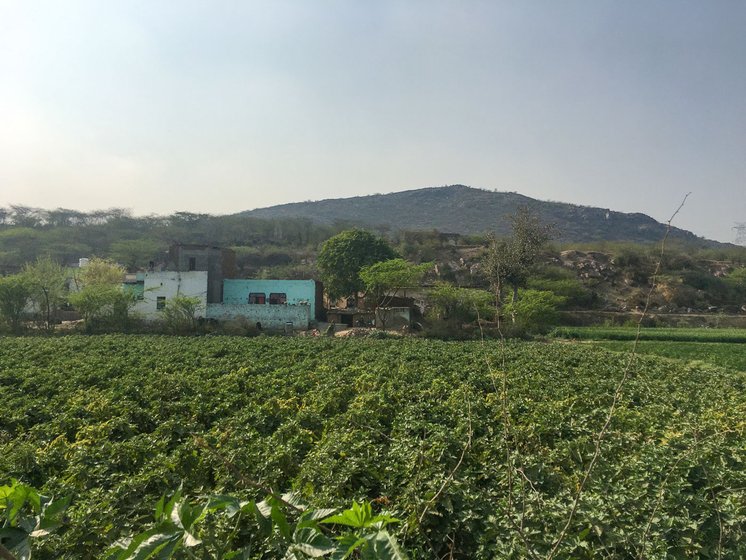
343 256
384 279
460 305
48 283
509 261
135 253
101 298
534 311
15 293
100 272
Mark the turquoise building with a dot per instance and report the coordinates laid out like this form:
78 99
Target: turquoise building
271 303
270 292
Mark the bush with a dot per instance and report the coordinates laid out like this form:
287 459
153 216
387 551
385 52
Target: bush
180 314
15 293
574 294
460 305
534 312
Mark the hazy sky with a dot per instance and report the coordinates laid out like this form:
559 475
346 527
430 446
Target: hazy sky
219 106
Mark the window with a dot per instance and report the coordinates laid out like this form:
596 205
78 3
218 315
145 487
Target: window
192 263
257 298
160 303
277 299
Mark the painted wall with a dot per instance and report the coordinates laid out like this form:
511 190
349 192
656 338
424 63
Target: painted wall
298 291
211 259
271 317
169 284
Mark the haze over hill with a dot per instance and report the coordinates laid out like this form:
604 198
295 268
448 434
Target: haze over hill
467 210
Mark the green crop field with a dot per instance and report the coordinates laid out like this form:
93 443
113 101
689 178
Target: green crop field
728 355
479 450
652 333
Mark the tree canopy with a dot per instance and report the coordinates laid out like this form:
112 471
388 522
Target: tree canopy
509 261
343 256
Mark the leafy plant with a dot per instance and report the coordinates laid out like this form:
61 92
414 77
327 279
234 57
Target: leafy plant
180 314
112 420
26 515
534 311
280 524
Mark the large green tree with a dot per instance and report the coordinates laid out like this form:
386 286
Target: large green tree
15 293
343 256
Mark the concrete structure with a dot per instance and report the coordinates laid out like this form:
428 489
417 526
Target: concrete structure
159 287
271 317
272 302
351 317
204 272
219 264
271 292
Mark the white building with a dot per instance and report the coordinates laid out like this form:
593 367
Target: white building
159 287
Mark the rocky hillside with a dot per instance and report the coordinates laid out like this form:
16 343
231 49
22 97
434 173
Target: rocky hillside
466 210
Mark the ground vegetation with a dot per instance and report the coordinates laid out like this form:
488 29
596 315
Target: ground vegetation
477 447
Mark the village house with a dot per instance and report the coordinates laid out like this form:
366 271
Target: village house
208 274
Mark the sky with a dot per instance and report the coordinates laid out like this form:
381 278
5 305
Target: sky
222 106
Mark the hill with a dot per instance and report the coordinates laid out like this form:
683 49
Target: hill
467 210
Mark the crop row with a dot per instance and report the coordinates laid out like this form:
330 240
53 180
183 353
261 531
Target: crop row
657 333
480 449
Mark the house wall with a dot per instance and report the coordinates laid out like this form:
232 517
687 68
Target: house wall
169 284
298 292
219 263
273 317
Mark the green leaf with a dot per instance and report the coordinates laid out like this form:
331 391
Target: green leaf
281 522
159 508
382 546
359 516
294 499
168 508
380 521
311 542
229 504
148 544
15 497
51 517
263 520
264 508
242 554
13 538
347 544
317 514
